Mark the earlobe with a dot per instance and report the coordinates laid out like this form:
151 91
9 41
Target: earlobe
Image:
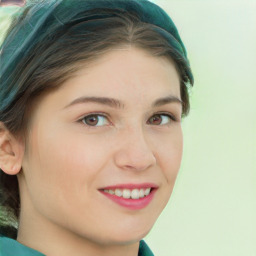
11 152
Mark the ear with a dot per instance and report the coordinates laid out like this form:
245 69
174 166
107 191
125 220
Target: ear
11 151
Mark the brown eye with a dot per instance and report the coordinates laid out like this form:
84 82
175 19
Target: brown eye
161 119
94 120
156 120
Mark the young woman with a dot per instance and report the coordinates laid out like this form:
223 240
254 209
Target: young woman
91 100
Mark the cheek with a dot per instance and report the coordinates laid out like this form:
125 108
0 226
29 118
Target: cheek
70 158
170 155
60 167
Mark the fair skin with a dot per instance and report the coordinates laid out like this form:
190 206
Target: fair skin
66 161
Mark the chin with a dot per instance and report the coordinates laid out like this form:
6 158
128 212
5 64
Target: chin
131 235
123 239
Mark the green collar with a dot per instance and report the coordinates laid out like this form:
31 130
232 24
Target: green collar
144 249
10 247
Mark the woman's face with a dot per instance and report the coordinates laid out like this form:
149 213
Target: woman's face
115 125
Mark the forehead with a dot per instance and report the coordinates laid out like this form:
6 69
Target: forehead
132 76
129 69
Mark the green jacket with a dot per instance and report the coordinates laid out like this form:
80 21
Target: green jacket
10 247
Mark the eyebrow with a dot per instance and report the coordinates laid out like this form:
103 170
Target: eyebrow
114 103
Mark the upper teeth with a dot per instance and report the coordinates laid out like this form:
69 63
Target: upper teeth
127 193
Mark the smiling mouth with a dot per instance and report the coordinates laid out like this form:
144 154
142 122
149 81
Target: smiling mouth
131 196
129 193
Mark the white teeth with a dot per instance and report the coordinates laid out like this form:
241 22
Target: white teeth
147 191
135 194
141 193
127 193
118 192
112 192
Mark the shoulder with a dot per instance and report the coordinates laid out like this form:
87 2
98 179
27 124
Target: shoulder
10 247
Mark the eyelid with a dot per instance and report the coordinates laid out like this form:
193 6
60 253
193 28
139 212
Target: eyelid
172 116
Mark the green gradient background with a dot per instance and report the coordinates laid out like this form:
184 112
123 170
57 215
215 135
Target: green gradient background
212 211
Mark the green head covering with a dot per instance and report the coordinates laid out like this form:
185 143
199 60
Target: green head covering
41 19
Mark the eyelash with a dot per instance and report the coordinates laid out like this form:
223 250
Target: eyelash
81 120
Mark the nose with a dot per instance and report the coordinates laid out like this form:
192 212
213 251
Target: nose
133 152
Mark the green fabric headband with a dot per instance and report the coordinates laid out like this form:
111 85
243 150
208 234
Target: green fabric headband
44 17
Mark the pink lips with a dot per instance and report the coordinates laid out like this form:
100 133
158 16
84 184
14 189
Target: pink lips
132 204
